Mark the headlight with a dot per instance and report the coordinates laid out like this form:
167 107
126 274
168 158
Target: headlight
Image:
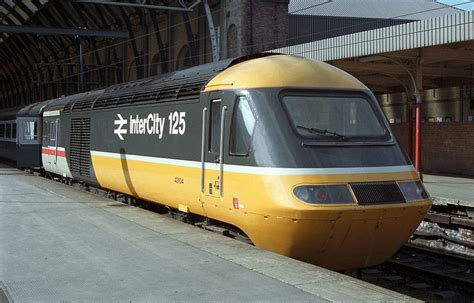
324 194
413 190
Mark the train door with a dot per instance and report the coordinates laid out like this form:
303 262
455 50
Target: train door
50 144
28 142
213 141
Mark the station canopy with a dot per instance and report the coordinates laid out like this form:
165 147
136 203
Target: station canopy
440 50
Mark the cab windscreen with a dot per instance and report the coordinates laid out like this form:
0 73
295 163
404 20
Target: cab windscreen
334 118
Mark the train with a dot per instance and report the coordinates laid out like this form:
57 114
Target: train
293 153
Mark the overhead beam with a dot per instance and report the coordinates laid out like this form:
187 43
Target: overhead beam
382 80
381 89
136 5
363 67
440 54
58 31
379 80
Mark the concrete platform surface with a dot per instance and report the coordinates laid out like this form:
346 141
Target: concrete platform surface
58 243
454 190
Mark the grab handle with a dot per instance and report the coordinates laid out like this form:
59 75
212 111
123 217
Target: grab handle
221 153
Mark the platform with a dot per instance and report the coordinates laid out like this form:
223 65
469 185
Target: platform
59 243
450 190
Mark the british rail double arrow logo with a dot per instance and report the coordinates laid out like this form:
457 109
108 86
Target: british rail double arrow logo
121 122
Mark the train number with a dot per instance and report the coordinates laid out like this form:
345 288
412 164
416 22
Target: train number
179 180
177 123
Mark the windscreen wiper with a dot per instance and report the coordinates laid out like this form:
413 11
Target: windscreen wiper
321 131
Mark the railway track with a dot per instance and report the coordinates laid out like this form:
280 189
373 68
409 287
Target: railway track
427 274
451 216
435 267
447 228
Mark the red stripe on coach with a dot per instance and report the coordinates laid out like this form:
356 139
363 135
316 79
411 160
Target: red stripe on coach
47 151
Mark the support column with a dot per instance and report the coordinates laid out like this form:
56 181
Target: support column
419 100
81 67
410 126
212 32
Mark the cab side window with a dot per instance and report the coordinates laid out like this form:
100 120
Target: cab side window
243 125
214 139
2 130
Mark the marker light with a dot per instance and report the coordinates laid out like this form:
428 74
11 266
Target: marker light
324 194
413 191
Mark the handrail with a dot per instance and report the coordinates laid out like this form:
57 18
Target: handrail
221 153
56 141
203 148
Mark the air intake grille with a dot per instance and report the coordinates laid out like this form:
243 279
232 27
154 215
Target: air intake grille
68 106
377 193
80 146
177 90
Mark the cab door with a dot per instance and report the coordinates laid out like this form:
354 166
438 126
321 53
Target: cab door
213 141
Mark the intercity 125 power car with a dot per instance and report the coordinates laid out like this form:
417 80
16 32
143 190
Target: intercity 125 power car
292 153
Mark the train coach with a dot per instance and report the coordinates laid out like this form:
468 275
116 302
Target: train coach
8 135
296 154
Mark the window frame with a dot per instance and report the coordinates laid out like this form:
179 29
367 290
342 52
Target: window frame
211 111
14 130
26 134
8 130
52 130
231 132
337 94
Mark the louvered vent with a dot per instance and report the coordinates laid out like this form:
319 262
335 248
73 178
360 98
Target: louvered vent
190 90
85 104
371 193
169 91
80 147
68 106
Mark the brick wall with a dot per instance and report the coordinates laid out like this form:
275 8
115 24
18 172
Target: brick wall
255 25
269 24
447 148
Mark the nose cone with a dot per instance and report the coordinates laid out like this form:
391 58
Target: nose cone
357 237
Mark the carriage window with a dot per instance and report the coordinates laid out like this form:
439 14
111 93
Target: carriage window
14 130
2 130
243 124
35 130
9 130
29 131
215 129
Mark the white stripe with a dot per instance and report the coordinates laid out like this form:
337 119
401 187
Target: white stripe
54 148
280 171
51 113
